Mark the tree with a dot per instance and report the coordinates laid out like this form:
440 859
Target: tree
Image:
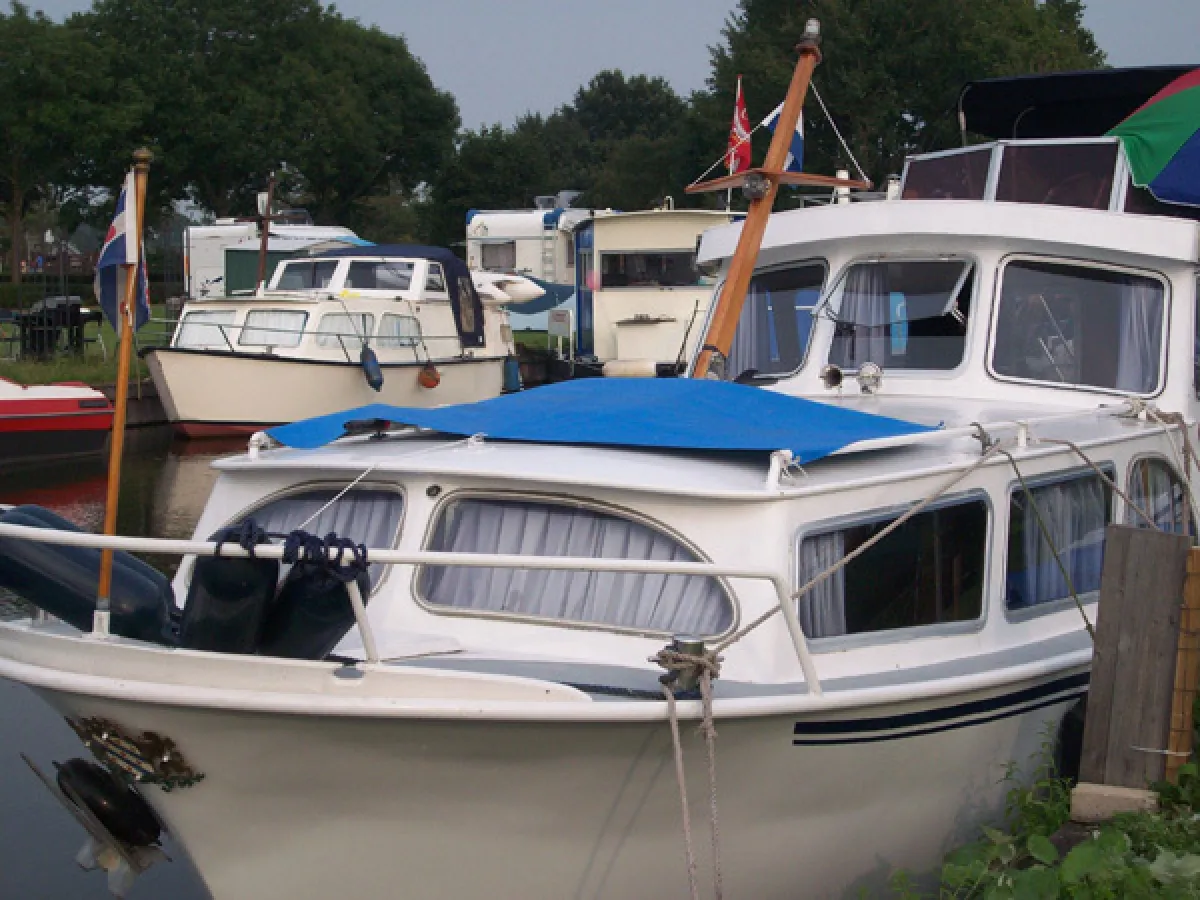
43 77
893 68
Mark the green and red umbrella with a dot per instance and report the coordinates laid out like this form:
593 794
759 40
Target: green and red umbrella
1162 141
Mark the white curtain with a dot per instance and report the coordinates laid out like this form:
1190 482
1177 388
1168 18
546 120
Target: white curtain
1141 336
751 347
668 603
866 311
1158 493
273 327
398 331
351 329
200 330
822 610
368 517
1075 514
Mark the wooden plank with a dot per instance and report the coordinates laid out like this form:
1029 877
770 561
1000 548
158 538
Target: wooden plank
1187 671
1133 670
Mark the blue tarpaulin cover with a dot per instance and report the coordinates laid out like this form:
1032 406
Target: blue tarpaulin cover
660 413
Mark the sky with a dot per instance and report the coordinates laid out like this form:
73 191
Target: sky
502 58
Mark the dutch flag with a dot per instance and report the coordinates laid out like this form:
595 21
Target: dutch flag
119 253
795 157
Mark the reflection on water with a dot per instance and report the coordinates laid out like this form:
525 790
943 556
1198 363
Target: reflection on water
164 486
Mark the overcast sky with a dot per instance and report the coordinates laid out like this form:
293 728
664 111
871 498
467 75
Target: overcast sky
501 58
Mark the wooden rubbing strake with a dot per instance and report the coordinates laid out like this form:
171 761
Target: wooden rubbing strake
1129 712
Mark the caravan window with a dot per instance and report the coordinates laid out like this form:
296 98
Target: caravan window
1074 514
499 257
306 275
773 328
648 270
380 276
1076 324
929 571
909 314
669 604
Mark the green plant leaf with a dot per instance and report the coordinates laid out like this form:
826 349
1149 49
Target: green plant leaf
1036 883
1085 860
1042 850
1167 867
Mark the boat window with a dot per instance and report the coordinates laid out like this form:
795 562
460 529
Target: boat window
1141 202
1079 175
673 604
928 571
393 275
1159 493
952 176
435 281
499 257
345 331
1073 515
398 331
902 315
364 515
773 328
273 327
646 270
201 329
306 275
1074 324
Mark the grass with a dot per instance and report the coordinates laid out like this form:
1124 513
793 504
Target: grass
535 340
92 367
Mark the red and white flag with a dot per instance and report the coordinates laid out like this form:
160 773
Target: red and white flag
739 135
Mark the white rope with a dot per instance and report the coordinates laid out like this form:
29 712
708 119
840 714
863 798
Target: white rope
842 140
340 494
725 156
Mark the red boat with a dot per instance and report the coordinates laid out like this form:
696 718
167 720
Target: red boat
45 422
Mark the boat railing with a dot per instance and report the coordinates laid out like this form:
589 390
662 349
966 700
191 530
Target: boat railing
385 556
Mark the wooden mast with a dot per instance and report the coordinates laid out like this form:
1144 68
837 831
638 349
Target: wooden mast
264 223
128 317
761 186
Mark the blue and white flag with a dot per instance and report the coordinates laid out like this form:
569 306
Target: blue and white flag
795 157
118 257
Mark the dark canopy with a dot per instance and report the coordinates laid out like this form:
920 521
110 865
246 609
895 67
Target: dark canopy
1062 104
468 310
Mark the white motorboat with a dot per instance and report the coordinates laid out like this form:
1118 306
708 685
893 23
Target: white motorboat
402 324
857 537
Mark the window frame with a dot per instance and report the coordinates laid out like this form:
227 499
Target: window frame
379 337
1059 476
335 280
497 242
325 339
973 266
891 513
438 510
1131 518
994 319
647 251
221 327
391 292
300 335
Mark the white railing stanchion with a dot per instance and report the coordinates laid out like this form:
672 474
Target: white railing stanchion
364 624
788 607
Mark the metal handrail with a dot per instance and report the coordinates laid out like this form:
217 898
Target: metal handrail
391 557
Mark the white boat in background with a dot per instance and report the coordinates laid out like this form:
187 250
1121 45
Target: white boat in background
873 540
433 334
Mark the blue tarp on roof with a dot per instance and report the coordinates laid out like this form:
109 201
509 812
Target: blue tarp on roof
659 413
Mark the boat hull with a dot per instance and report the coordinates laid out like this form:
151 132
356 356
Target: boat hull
314 806
216 394
46 429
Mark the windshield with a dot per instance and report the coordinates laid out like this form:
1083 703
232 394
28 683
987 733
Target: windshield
909 314
306 275
773 328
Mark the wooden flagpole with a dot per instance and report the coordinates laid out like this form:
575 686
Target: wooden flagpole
264 224
724 320
128 314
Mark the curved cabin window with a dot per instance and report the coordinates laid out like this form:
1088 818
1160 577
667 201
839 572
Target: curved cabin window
398 331
367 516
668 268
201 329
1158 492
273 328
379 276
957 175
1074 515
345 331
929 571
305 275
1079 325
773 329
1058 174
672 604
908 314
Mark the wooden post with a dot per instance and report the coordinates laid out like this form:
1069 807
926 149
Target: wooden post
264 225
1187 671
1134 664
724 321
128 316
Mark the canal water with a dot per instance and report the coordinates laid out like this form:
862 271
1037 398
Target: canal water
163 489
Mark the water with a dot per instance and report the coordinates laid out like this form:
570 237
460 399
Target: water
163 489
